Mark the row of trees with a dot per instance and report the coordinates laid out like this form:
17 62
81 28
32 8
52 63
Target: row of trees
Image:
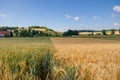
5 28
104 32
76 32
30 31
71 32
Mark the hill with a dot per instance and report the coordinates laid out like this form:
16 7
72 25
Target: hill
44 31
30 31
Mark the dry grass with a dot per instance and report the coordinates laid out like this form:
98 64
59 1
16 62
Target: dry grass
93 59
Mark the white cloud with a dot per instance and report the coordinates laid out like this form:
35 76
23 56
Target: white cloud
116 24
76 18
116 8
3 15
67 16
96 17
113 15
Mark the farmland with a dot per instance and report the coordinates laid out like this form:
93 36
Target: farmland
58 58
20 58
108 32
105 37
88 59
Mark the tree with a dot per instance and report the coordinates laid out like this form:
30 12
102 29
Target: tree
104 32
30 32
34 33
24 33
14 28
92 33
35 26
119 30
16 32
11 34
112 32
70 33
3 28
76 32
65 34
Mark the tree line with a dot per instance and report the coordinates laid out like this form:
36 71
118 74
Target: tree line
29 32
71 32
104 32
76 32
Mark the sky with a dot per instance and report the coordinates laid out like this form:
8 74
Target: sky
61 15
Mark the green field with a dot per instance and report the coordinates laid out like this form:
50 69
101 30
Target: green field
25 58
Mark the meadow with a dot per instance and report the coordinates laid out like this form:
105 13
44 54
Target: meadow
58 58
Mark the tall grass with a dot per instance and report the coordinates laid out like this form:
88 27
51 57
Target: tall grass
25 58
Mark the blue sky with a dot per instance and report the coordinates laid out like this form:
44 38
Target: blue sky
61 15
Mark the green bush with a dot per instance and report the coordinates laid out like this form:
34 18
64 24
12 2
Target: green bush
104 32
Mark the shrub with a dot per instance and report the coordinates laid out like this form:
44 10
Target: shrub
112 32
104 32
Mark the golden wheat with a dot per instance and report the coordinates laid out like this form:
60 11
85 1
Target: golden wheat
94 59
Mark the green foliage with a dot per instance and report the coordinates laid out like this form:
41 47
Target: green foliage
3 28
16 32
11 34
70 33
112 32
31 31
34 33
119 31
34 26
104 32
24 33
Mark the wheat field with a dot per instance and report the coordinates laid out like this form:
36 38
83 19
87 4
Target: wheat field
61 59
25 58
87 59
